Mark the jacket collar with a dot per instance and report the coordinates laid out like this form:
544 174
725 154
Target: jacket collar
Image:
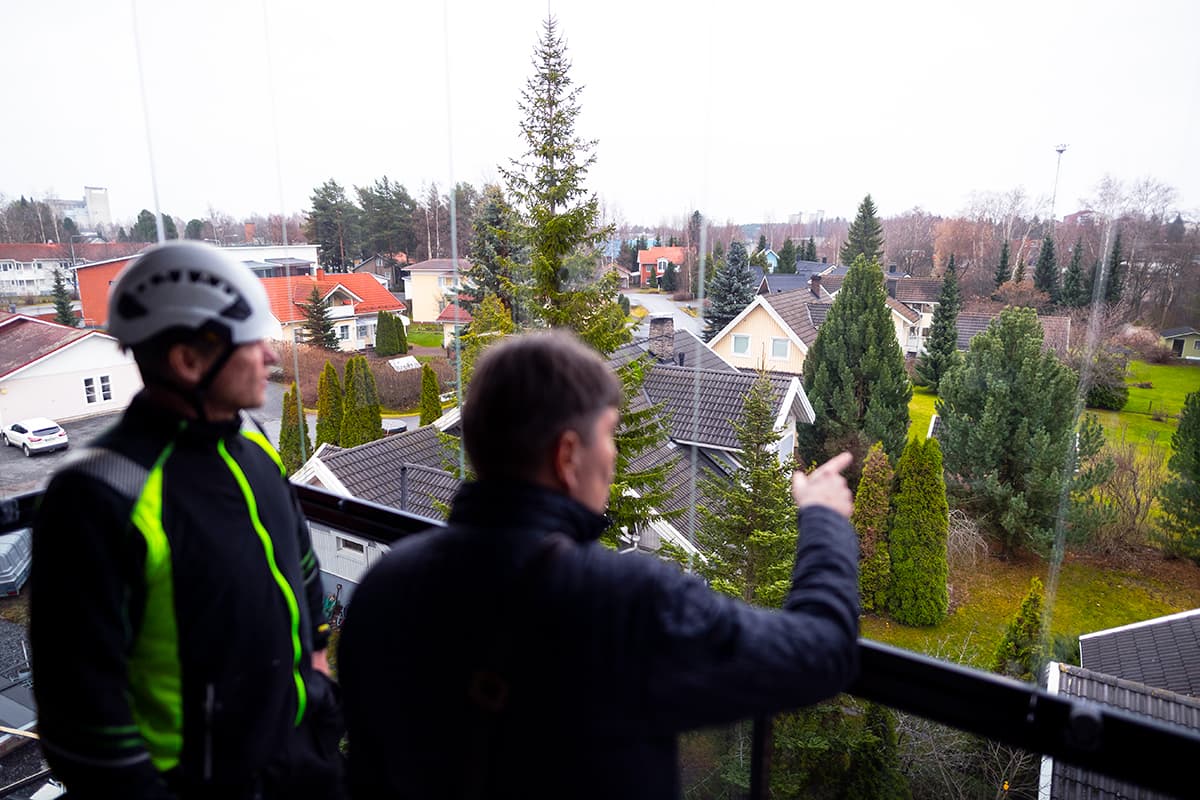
514 504
148 414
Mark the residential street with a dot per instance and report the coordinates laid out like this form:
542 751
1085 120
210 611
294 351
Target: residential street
659 304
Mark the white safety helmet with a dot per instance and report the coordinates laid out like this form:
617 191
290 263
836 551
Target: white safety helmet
184 284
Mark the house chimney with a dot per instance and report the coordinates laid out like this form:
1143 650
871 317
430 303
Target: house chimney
824 259
249 227
320 273
892 268
891 287
662 338
814 283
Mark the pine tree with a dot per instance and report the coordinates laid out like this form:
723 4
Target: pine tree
1003 270
361 419
919 595
294 444
497 259
669 282
1180 495
1007 427
1019 654
941 350
1020 276
787 258
329 406
810 250
387 343
561 217
865 237
490 324
1073 294
854 373
762 243
731 291
63 313
431 406
748 528
875 769
1045 274
1116 273
318 327
872 508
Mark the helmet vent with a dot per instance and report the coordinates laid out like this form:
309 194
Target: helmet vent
239 309
130 307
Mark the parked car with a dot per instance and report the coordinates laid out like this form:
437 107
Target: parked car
35 435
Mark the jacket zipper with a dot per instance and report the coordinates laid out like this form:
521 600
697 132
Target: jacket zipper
209 702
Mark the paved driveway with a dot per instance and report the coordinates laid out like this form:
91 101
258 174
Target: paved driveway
19 474
661 304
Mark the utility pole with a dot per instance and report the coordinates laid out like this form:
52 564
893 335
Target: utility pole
1054 195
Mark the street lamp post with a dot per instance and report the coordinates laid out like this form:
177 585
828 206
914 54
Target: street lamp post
1054 195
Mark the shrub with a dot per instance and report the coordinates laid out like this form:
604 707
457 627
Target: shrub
1111 398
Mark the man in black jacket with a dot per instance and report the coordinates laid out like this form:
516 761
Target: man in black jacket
509 655
176 612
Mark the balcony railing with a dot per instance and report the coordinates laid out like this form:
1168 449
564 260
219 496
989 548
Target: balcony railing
1134 749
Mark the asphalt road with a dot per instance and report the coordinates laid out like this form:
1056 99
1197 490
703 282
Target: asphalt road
660 304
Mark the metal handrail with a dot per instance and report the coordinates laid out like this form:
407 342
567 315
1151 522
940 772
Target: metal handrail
1099 738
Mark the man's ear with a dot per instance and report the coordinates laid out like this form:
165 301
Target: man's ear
566 461
186 363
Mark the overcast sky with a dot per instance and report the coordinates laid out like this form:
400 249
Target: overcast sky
750 110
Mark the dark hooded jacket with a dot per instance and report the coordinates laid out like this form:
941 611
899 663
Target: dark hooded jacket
511 655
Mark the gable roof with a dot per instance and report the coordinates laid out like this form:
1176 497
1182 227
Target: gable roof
1056 331
696 354
453 313
25 340
918 290
1067 782
286 294
721 397
678 484
675 255
403 471
439 265
1162 652
905 311
794 308
1174 333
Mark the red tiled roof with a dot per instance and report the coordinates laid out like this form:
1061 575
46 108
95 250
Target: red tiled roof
651 256
452 313
24 340
285 299
84 251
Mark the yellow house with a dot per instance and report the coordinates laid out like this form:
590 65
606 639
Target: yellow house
774 332
430 285
1184 342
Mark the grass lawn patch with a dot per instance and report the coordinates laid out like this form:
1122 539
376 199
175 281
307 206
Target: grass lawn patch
920 410
425 338
1169 387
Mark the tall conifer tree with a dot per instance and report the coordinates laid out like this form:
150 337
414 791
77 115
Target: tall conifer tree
431 406
318 327
329 406
1180 495
1116 272
919 593
872 509
63 313
865 237
941 349
787 257
731 291
361 419
294 443
1073 293
1003 269
1045 274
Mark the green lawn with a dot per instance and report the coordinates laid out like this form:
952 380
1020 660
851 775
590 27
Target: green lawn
425 338
920 410
1089 598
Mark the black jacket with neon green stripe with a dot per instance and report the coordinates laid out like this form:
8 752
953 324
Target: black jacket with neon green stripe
172 633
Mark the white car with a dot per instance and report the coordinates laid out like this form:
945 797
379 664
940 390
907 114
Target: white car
35 435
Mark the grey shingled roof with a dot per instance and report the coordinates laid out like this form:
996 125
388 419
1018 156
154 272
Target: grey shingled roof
373 471
721 397
903 310
1056 331
678 484
919 290
1073 783
795 309
1171 333
685 342
1163 652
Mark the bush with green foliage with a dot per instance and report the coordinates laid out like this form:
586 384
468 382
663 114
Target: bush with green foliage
329 406
1180 495
361 419
294 444
919 594
1019 654
872 509
431 405
387 340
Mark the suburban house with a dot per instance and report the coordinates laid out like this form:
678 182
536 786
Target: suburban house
355 300
28 269
1056 331
384 266
429 285
654 261
772 282
1150 668
1184 342
52 370
93 280
452 318
775 331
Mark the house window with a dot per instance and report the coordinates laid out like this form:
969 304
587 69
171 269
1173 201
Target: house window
361 331
349 547
105 388
297 334
779 348
1196 344
741 344
662 266
343 332
89 390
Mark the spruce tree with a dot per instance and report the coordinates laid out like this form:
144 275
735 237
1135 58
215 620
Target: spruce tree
1045 274
496 255
401 336
762 243
561 218
1073 293
731 291
941 350
872 508
669 281
1116 273
748 525
1007 428
810 250
294 443
329 406
1019 654
318 327
63 313
1003 270
865 237
787 258
1020 275
431 406
875 771
490 324
387 343
919 595
854 373
1180 495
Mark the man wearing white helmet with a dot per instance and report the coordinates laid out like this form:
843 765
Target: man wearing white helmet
176 615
